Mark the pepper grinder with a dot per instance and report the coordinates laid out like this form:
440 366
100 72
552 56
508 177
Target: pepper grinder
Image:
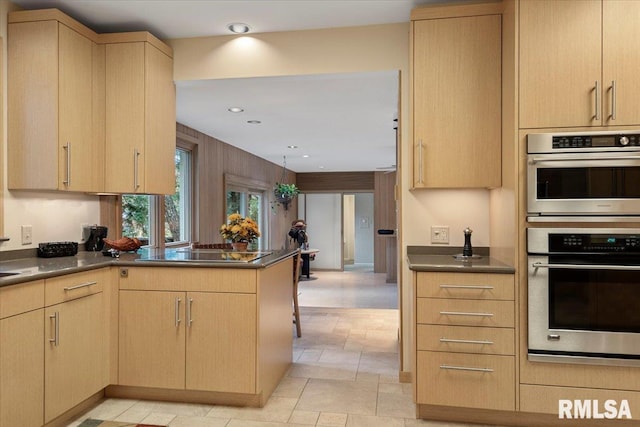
467 250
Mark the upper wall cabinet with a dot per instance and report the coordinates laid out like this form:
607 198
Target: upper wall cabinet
457 96
88 112
51 70
578 63
140 115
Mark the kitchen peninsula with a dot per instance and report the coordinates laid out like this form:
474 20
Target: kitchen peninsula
141 326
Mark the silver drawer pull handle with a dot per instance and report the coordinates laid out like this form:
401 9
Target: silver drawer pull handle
465 368
452 340
81 285
56 329
479 287
459 313
178 320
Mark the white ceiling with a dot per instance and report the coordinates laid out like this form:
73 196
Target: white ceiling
322 115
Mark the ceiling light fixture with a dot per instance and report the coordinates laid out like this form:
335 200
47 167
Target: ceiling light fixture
238 28
254 122
305 156
292 146
236 110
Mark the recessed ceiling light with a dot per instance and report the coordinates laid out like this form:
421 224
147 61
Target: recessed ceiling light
236 109
238 28
292 146
254 122
305 155
320 167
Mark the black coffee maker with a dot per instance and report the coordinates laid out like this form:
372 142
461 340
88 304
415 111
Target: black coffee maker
95 235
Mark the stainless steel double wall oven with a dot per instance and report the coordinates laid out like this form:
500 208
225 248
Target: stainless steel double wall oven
584 282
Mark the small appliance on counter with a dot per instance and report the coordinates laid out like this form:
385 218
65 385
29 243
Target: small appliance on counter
95 235
57 249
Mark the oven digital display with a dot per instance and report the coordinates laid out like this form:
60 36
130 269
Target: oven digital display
603 141
602 239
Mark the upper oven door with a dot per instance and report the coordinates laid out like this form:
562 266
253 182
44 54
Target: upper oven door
597 183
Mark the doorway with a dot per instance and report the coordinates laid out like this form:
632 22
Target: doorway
357 232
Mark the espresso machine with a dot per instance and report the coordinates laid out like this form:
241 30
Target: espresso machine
94 237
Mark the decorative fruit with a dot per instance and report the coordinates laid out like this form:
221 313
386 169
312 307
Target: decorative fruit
124 244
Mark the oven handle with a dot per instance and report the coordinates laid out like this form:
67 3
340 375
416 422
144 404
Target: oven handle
585 267
534 160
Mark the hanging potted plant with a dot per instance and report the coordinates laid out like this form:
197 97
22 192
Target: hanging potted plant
284 193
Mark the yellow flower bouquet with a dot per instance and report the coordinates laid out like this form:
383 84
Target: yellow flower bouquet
239 229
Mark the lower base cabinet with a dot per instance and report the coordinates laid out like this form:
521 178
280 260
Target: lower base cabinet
74 355
22 370
188 340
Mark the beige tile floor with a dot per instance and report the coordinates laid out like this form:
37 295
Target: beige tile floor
344 374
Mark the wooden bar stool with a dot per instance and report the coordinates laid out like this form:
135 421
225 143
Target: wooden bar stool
296 279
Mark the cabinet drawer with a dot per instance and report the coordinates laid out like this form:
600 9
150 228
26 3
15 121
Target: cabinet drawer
465 285
21 298
464 312
466 380
466 339
72 286
236 280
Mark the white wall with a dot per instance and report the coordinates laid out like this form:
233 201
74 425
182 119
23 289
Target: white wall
324 219
363 225
54 216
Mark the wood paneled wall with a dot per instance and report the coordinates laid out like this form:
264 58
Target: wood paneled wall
384 217
335 182
215 159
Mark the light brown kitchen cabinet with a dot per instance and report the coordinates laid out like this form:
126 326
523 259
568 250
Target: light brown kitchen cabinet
22 355
140 115
577 62
193 341
152 339
204 338
456 75
75 359
221 330
51 79
465 340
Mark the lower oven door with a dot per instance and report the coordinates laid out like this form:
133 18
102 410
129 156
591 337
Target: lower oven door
583 184
580 310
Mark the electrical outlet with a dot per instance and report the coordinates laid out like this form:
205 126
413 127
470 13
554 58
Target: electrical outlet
27 234
440 234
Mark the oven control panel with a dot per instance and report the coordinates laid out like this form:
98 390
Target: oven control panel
594 243
595 141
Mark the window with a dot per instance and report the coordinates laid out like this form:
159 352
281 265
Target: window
162 220
248 202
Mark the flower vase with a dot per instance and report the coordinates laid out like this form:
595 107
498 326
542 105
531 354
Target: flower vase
240 246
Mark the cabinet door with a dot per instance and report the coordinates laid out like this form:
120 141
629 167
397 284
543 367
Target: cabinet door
152 339
32 74
125 102
79 159
75 359
160 123
560 63
457 102
22 370
221 342
621 62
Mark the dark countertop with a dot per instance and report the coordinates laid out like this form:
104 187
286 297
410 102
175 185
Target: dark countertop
432 258
34 268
